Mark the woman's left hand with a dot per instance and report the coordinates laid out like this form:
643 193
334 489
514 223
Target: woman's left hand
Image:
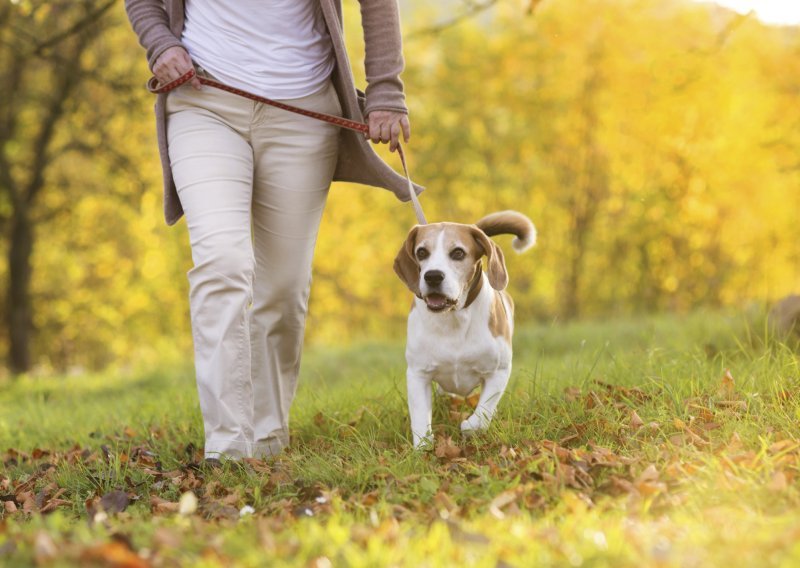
386 125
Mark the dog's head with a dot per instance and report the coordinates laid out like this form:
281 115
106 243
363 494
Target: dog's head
439 262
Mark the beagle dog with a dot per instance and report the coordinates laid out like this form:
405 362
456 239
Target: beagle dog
461 321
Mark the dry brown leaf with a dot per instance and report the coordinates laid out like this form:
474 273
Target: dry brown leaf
38 453
28 501
502 500
167 538
114 502
571 394
736 405
369 499
53 504
320 562
650 473
44 548
162 506
727 386
259 466
779 482
636 421
700 411
445 448
114 554
444 502
473 399
783 446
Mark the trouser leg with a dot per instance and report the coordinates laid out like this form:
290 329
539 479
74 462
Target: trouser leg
212 164
294 161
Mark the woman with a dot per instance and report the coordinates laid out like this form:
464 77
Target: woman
252 181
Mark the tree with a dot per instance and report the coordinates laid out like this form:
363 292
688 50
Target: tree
43 57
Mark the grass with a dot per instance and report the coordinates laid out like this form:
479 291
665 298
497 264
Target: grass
617 443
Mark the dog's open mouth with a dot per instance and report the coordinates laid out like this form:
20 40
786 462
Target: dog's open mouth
438 302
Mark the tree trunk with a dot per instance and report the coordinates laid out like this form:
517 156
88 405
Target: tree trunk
19 309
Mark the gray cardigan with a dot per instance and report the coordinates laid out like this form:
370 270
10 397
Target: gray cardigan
159 25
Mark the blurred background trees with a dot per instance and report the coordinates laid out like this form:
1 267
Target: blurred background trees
655 144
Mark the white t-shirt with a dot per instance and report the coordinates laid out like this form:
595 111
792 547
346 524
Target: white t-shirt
278 49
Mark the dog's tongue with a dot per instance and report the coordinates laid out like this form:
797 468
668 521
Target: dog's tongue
436 301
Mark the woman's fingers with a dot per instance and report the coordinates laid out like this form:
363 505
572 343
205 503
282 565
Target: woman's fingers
386 126
172 64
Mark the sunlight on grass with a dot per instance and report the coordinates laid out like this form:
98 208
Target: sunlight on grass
668 441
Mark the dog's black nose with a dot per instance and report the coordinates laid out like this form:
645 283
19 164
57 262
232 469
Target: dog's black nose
434 277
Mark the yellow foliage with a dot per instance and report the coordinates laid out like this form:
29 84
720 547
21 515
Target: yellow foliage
654 144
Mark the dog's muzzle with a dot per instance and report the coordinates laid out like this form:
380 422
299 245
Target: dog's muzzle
439 302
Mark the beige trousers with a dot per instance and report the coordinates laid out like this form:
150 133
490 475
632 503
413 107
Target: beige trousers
253 181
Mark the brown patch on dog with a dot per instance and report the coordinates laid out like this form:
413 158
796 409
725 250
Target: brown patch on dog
498 318
510 222
405 264
495 261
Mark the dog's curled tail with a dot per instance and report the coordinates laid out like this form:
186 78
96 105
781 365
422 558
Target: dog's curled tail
513 223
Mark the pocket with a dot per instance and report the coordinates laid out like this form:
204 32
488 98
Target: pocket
336 104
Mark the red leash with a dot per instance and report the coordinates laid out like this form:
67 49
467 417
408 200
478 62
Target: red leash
154 87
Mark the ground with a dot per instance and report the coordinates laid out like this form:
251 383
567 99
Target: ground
659 441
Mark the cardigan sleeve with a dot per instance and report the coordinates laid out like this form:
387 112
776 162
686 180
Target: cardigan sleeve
383 60
150 22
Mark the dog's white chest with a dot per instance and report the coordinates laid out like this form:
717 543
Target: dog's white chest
455 350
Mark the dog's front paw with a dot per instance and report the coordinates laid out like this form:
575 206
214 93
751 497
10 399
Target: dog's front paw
474 423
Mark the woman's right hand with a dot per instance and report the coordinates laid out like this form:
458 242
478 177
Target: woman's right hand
172 64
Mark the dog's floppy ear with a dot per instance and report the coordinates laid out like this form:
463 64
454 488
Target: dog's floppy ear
405 263
496 262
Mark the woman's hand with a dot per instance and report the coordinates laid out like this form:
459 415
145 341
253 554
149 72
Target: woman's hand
172 64
386 126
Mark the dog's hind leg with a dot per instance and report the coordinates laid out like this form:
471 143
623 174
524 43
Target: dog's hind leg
491 393
420 408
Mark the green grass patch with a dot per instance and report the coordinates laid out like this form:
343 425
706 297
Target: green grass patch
617 443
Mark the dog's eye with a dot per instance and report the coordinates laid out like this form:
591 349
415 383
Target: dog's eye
458 254
422 253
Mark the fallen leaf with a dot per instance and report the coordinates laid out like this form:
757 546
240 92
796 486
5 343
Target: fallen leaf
445 448
727 387
114 502
473 399
44 549
636 421
162 506
320 562
778 482
737 405
187 504
571 394
259 466
500 501
113 554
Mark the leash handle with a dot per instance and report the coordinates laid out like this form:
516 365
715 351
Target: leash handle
154 87
414 199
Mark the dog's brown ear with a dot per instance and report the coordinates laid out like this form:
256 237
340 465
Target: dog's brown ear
496 261
405 263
